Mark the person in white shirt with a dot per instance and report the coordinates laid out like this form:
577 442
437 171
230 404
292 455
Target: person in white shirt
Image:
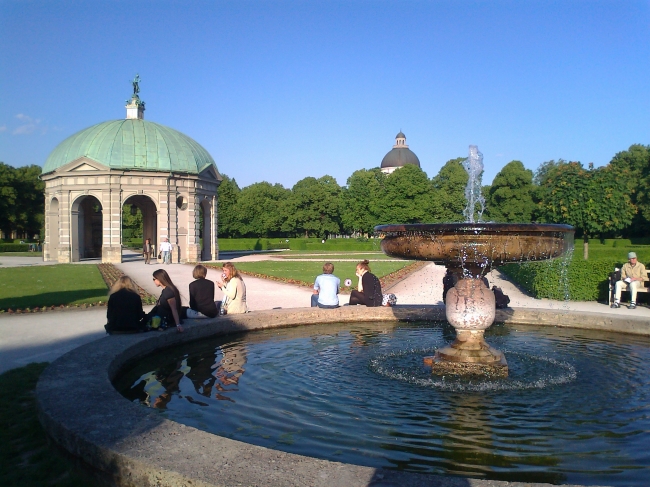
166 250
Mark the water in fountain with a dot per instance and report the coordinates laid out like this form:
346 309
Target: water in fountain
474 167
574 408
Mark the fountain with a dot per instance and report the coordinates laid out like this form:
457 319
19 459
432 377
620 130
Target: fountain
470 250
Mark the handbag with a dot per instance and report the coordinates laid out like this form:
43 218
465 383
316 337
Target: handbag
159 255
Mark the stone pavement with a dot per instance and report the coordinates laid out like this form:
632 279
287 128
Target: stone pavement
46 336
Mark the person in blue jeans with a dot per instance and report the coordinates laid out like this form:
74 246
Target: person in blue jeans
326 289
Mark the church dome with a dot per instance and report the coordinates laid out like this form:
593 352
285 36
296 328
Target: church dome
400 155
133 144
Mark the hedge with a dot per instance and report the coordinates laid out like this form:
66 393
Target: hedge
14 247
252 244
575 279
341 244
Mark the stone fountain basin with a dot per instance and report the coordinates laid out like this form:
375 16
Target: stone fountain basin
133 445
483 244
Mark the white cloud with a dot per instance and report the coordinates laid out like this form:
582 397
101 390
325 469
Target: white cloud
29 125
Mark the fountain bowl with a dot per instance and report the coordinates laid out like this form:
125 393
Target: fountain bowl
468 245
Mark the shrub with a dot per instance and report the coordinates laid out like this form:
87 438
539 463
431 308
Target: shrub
14 247
576 279
252 244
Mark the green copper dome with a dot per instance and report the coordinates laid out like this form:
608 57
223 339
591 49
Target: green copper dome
132 144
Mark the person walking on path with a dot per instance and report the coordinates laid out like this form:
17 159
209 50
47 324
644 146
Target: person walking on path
326 289
633 275
166 251
234 290
146 251
369 289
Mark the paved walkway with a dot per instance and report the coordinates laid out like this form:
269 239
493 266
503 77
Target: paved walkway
46 336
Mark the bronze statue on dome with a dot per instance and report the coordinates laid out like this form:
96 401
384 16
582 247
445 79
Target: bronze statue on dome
136 85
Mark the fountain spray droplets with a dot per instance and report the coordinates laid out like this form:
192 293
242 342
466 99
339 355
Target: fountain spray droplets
474 167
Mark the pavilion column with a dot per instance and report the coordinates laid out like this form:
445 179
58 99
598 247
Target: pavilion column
194 243
214 226
65 243
112 223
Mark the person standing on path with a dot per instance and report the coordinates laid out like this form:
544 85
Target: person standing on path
146 251
326 289
166 250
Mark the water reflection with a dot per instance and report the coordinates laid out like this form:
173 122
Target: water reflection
576 408
212 374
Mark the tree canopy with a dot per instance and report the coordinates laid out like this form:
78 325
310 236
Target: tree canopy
510 197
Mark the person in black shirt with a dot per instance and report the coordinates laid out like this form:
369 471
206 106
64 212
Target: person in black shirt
202 303
124 311
369 292
168 306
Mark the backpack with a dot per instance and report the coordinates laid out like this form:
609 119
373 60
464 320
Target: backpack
500 299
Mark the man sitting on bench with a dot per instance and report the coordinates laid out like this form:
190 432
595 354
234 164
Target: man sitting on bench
633 275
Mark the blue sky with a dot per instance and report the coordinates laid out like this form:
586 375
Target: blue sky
280 90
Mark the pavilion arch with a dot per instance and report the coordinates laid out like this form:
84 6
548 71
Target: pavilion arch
147 206
86 228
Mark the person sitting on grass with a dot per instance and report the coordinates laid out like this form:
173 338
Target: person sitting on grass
202 303
326 289
124 311
369 289
633 275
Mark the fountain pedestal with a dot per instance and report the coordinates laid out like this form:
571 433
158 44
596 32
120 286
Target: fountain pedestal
473 249
470 310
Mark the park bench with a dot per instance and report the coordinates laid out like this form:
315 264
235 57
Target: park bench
614 276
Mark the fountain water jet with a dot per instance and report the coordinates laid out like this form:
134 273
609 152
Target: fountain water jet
470 250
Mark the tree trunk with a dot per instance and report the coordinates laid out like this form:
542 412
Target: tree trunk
585 248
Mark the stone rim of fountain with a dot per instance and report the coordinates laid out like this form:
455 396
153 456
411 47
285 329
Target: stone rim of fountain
136 446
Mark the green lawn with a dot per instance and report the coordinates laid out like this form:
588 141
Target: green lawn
333 256
307 271
26 457
51 285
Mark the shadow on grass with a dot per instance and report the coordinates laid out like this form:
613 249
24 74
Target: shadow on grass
54 298
27 457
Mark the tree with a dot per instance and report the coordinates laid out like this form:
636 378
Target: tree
22 199
361 208
593 201
131 224
634 165
314 207
510 198
7 198
406 197
228 216
448 197
258 207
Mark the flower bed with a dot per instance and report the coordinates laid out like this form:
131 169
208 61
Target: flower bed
111 274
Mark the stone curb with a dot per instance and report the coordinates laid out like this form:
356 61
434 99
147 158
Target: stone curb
81 410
